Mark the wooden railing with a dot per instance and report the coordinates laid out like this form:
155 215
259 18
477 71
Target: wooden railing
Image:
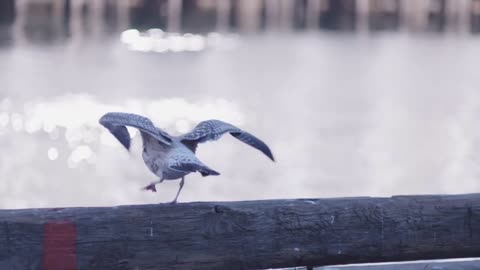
242 235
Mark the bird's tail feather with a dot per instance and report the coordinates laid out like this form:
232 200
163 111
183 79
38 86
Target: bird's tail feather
207 171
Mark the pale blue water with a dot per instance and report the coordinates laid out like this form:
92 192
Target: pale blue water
345 115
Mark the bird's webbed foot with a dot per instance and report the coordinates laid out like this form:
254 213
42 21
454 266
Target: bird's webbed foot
172 202
151 187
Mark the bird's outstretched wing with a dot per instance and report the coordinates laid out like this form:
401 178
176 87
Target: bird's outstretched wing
213 129
188 164
116 123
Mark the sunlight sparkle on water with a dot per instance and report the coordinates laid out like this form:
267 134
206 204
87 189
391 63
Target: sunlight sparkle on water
6 104
48 127
54 133
129 36
156 40
33 124
82 152
74 135
52 153
4 119
79 135
17 121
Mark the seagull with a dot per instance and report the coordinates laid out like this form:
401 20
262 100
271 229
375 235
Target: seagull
173 157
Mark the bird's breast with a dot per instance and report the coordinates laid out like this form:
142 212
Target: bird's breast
155 160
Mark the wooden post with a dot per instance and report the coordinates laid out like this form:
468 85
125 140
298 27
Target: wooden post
313 13
249 15
272 10
464 13
414 15
58 13
123 13
174 17
76 22
363 14
242 235
287 8
97 17
20 21
223 15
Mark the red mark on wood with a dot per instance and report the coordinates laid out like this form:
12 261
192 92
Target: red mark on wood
59 251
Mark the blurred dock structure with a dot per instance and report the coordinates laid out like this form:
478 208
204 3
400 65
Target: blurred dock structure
76 18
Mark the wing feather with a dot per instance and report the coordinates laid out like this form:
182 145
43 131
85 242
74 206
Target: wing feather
211 130
116 123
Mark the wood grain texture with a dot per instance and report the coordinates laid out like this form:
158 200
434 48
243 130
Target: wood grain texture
252 234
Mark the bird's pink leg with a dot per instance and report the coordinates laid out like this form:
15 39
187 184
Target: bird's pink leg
178 192
151 186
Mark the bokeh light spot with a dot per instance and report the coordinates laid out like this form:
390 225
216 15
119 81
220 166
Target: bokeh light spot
52 153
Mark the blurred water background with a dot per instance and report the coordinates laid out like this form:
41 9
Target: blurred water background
355 98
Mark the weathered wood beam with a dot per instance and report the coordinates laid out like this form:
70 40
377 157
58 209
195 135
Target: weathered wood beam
242 235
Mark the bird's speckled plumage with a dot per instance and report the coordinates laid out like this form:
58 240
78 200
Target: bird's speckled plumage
214 129
116 123
170 157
